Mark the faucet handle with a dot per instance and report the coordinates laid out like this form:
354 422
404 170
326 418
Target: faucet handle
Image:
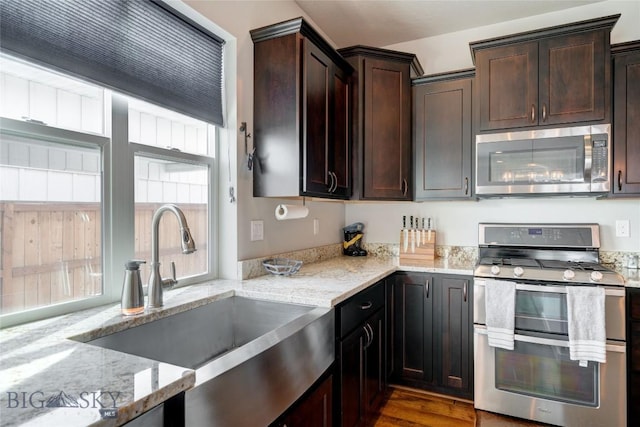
171 281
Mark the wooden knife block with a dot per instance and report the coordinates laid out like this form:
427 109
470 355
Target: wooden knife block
421 255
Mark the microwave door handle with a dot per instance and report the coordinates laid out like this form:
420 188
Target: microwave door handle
588 156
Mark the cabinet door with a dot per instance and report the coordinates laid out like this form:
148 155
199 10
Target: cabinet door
454 324
507 86
443 139
387 130
314 410
633 355
352 410
276 128
573 86
626 124
374 364
339 143
389 324
317 70
413 328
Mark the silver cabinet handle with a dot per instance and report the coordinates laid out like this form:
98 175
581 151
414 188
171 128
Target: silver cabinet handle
334 180
368 325
405 187
368 339
533 113
544 112
330 190
426 288
464 291
366 305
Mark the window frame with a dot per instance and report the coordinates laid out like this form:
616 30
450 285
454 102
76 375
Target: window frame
118 201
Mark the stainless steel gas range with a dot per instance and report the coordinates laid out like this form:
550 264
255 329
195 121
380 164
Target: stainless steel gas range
533 376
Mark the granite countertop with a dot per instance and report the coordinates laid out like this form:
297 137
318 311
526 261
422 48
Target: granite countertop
631 277
49 376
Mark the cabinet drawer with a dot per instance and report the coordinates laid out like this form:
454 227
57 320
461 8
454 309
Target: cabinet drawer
359 307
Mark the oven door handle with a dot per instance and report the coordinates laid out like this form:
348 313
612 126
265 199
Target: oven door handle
563 289
556 289
617 347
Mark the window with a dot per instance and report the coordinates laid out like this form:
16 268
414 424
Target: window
176 170
66 183
51 213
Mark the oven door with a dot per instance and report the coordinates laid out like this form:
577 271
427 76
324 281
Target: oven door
537 381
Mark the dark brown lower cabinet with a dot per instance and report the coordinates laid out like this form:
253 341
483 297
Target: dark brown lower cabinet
314 409
433 333
633 356
360 357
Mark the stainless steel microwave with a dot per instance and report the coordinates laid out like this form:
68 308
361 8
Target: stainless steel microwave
568 161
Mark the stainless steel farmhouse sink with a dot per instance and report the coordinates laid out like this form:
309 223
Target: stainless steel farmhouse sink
252 358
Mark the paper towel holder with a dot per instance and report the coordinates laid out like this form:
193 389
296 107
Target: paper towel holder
285 212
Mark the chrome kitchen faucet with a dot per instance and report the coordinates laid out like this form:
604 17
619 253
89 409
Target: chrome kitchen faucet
156 282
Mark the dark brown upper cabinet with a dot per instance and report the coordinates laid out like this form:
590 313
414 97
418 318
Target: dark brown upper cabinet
302 128
626 119
443 135
382 146
549 77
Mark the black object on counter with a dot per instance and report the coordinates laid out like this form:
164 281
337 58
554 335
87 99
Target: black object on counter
352 244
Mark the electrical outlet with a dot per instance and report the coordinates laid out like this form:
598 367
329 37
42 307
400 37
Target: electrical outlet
622 228
316 226
257 230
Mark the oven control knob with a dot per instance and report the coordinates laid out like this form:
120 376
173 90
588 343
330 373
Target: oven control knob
596 276
568 274
518 271
495 270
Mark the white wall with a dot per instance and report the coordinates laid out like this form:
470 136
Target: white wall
457 221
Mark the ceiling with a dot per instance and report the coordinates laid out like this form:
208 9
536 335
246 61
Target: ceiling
381 23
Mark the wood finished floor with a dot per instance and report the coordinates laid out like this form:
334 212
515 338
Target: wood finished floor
413 408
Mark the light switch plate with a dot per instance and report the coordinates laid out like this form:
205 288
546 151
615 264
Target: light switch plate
257 230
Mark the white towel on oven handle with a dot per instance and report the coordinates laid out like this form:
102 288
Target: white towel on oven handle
500 303
585 316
